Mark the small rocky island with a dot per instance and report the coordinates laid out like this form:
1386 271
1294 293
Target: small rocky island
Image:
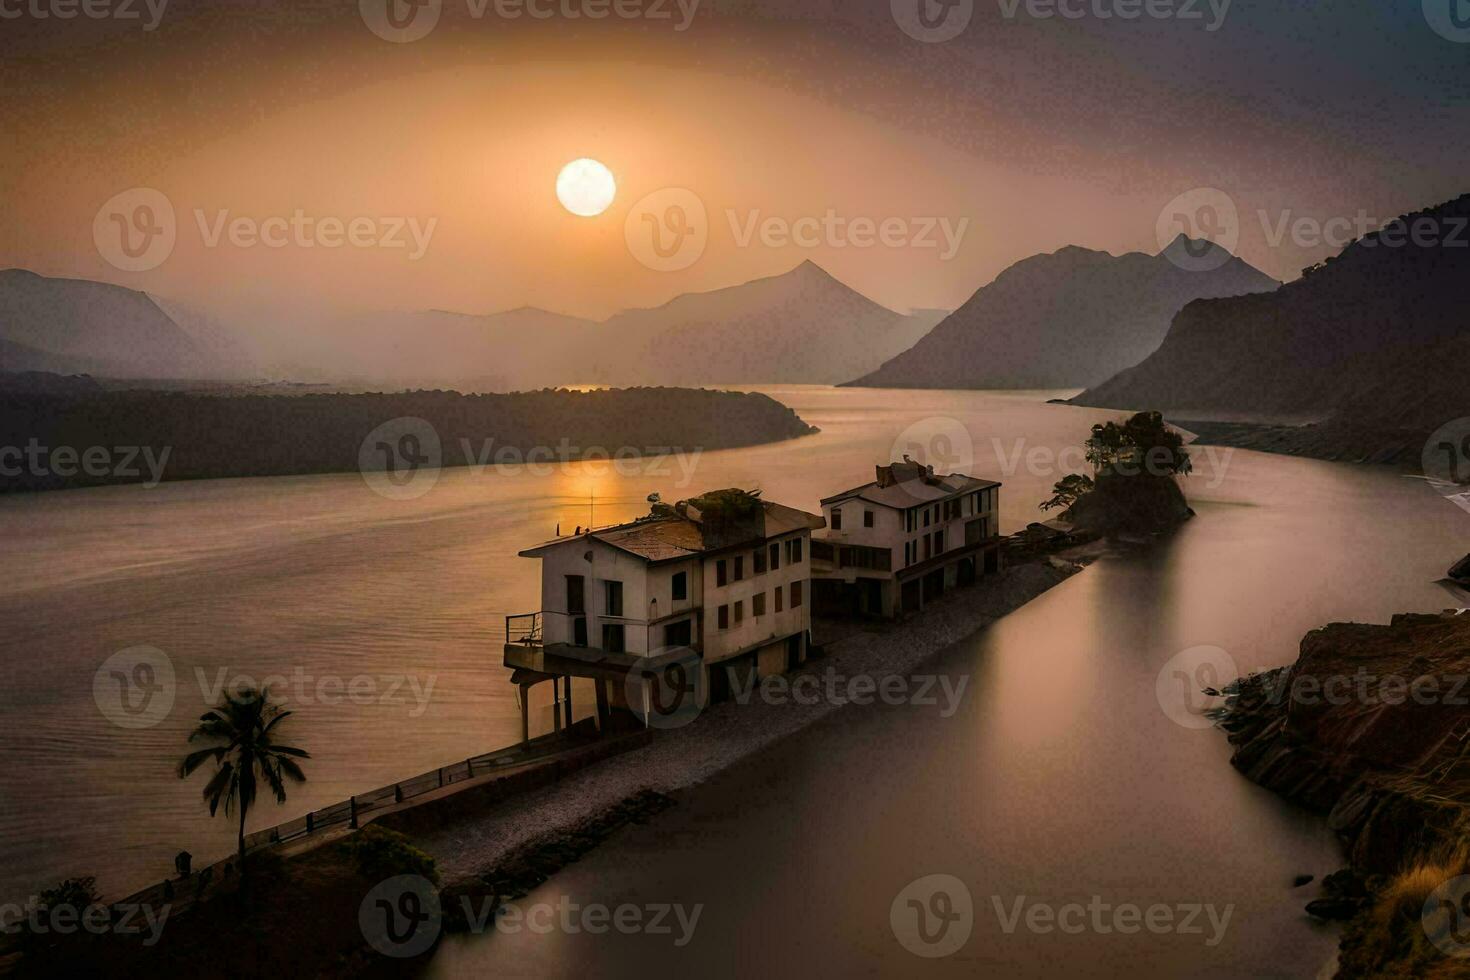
1133 491
1371 726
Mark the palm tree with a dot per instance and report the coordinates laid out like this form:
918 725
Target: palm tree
243 724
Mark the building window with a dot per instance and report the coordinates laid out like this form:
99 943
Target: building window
867 518
576 603
796 551
779 606
926 516
836 518
739 567
614 593
678 634
910 520
739 611
613 638
758 604
721 577
928 547
758 559
775 556
795 593
724 617
681 586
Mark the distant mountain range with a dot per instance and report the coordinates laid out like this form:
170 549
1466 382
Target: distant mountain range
803 326
1068 319
1371 347
77 326
800 327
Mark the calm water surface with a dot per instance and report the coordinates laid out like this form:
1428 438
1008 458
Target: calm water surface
1059 778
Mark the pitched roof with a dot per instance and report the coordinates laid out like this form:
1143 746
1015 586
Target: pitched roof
914 492
668 537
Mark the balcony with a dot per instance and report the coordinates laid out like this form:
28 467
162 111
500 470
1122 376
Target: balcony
526 648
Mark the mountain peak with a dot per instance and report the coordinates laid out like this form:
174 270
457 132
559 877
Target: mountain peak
1194 247
809 269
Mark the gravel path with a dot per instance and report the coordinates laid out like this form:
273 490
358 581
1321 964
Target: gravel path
725 733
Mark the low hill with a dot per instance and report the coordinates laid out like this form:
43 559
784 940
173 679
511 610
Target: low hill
803 326
194 436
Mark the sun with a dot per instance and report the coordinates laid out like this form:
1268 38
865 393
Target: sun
586 188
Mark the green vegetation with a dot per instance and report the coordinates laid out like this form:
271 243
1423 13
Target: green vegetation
1068 490
728 506
1132 489
245 725
380 853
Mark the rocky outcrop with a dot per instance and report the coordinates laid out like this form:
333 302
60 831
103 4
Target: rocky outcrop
1139 505
1369 726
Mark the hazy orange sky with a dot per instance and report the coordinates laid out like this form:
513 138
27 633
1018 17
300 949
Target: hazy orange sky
1038 133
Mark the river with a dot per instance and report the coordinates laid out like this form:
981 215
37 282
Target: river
1059 778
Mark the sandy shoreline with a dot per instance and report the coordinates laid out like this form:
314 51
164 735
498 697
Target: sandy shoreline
724 734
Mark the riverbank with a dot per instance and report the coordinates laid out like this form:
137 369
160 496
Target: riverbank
1370 727
1330 440
469 851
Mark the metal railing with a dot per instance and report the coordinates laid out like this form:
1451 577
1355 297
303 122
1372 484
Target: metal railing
524 628
349 812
